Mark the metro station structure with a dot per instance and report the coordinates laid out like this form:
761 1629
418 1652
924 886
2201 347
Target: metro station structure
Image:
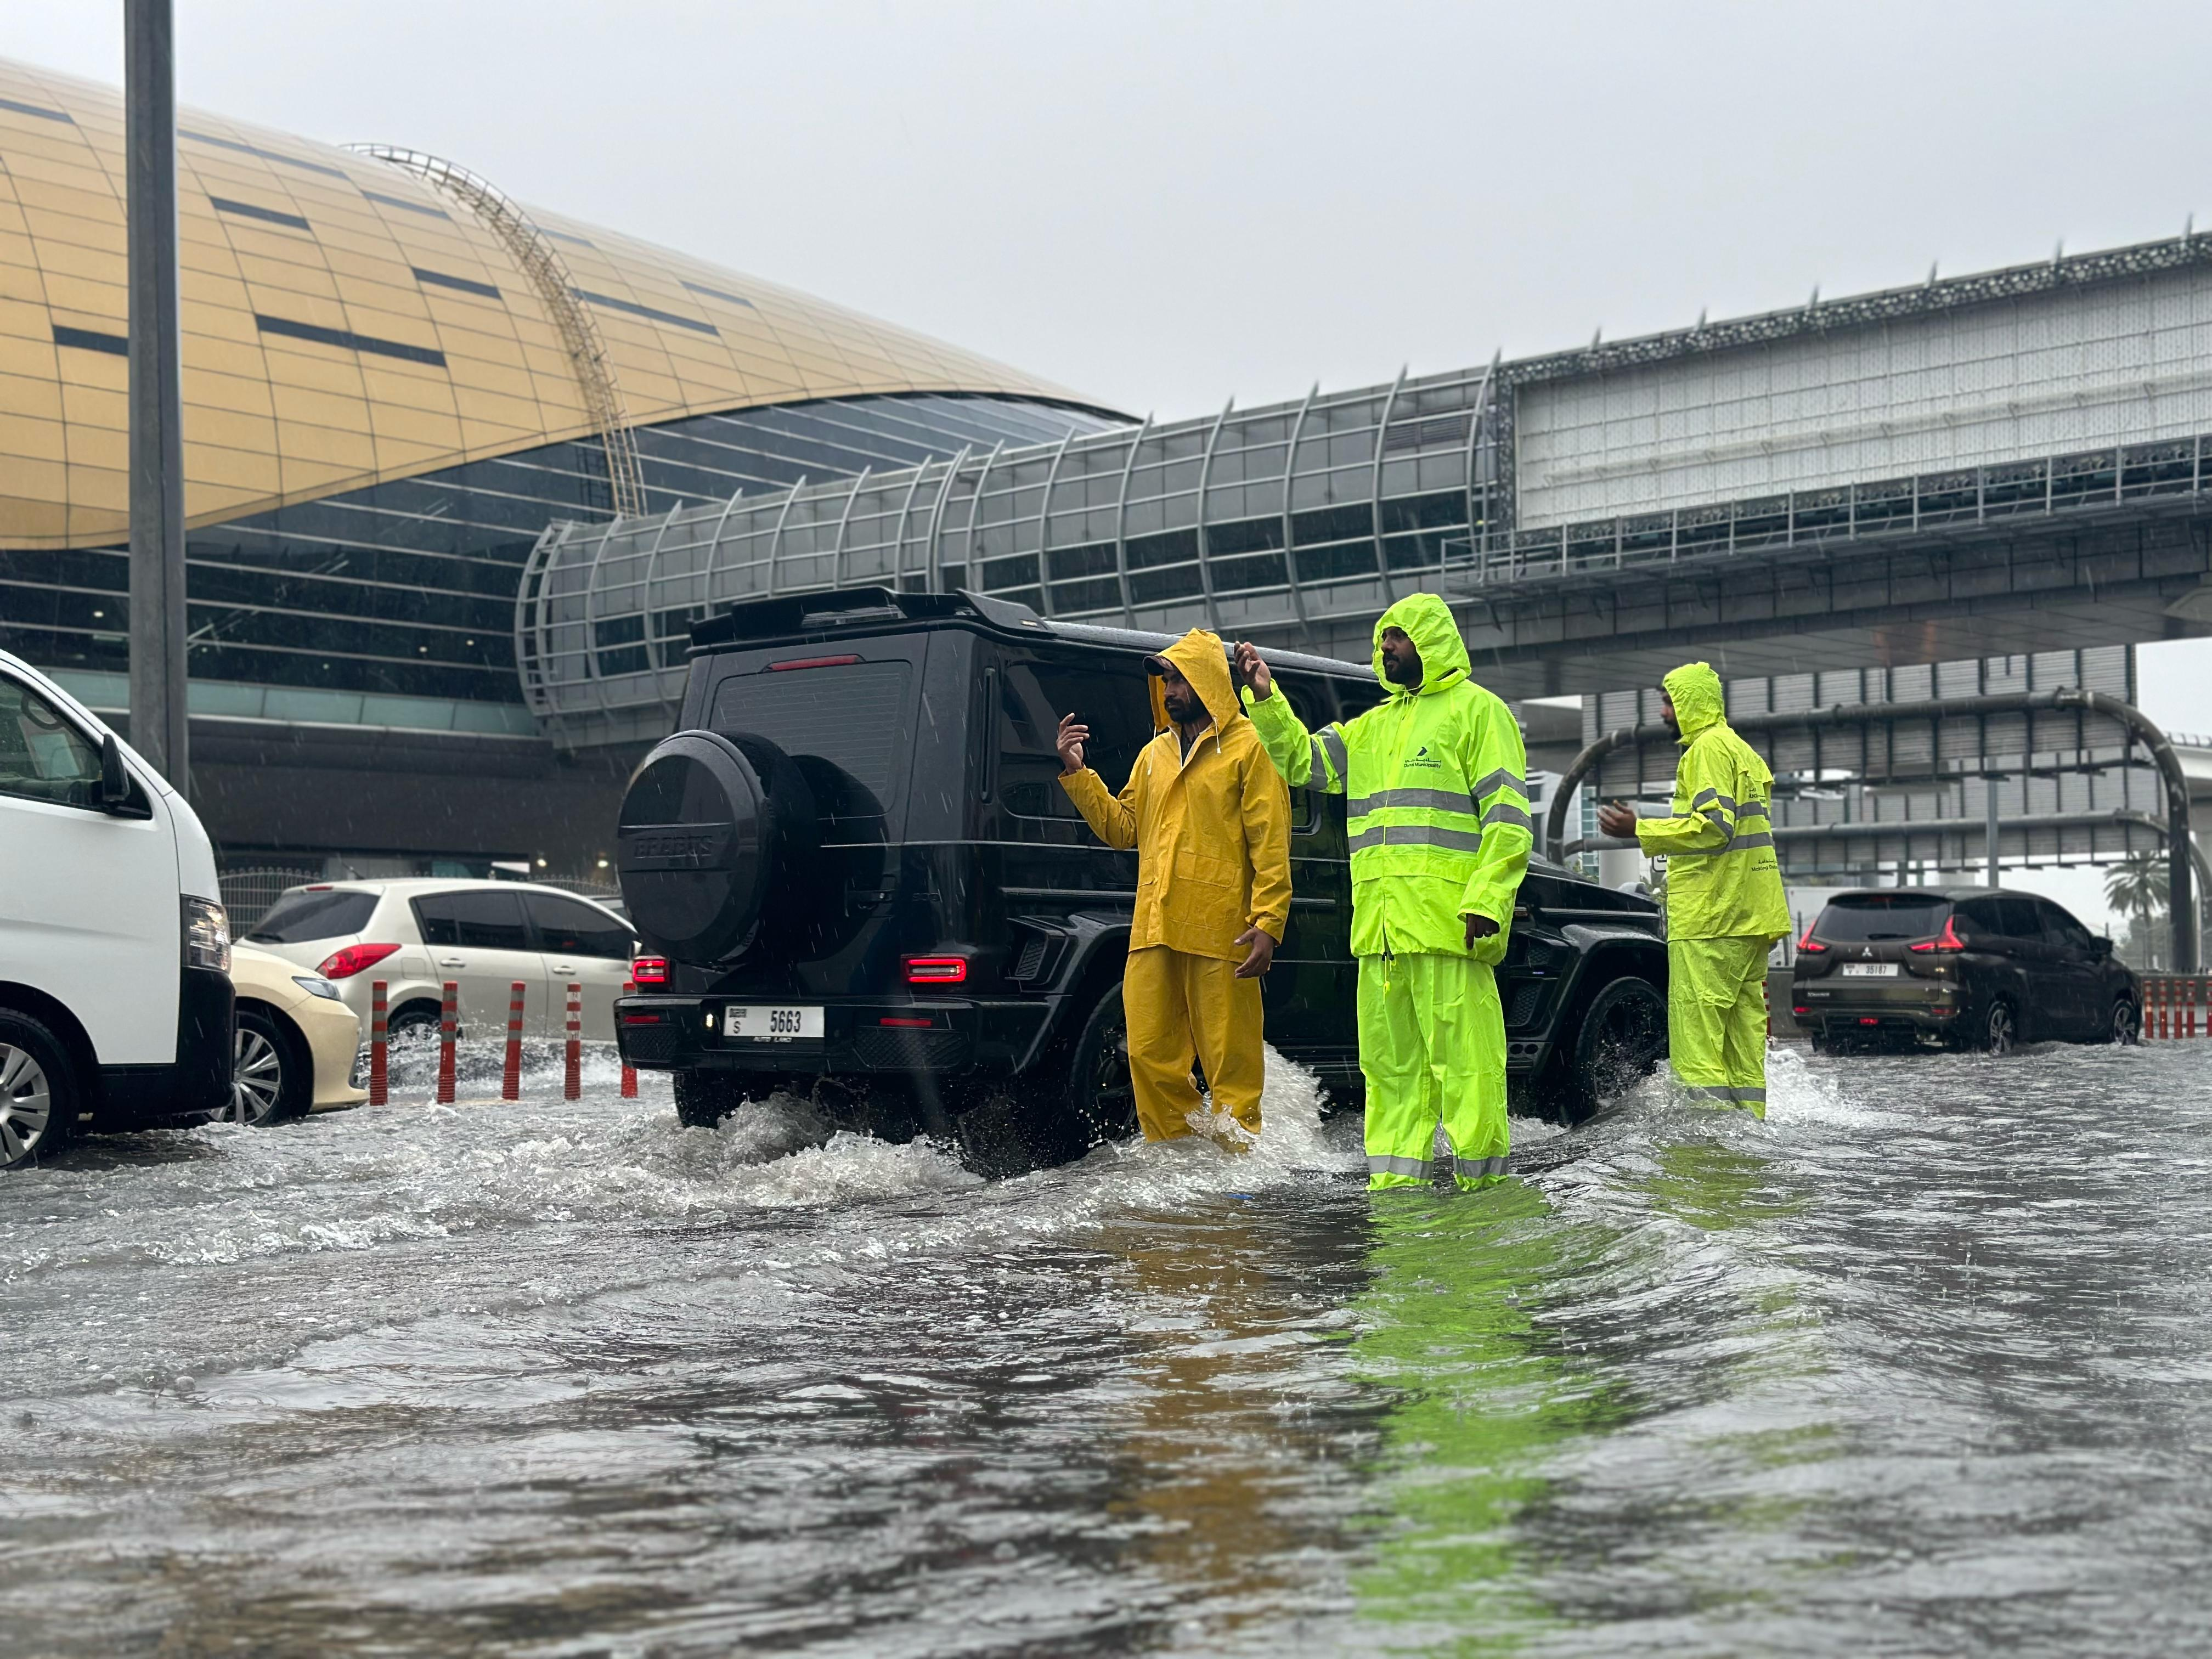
462 473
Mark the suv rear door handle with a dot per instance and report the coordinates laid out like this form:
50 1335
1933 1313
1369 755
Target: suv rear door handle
453 962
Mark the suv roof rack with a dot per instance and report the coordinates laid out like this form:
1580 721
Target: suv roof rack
829 610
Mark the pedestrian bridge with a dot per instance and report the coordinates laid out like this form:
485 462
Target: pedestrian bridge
2010 462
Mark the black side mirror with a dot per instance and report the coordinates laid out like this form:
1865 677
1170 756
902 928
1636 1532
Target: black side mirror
2101 949
113 792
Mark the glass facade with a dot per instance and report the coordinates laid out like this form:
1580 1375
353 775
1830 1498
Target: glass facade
408 588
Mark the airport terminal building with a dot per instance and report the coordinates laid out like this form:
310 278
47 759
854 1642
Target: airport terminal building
394 378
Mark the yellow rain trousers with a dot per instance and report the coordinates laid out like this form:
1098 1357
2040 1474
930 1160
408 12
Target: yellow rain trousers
1438 818
1213 833
1725 906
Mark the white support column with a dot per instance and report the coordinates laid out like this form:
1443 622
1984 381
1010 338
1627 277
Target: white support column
1122 525
1204 474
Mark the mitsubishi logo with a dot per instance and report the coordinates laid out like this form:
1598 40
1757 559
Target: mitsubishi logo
1866 949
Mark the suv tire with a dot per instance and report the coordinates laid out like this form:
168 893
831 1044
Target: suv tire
40 1091
1619 1040
1100 1093
2127 1023
704 1098
272 1075
2000 1028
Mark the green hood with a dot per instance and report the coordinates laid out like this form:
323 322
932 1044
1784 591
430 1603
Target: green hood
1427 621
1698 701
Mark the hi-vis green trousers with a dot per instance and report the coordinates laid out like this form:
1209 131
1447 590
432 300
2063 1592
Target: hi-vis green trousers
1717 1019
1432 1046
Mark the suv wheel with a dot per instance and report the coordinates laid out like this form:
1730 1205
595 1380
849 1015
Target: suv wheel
703 1099
1620 1039
1099 1088
39 1093
2000 1031
271 1077
2127 1023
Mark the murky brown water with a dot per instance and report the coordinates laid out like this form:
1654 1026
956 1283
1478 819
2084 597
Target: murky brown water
1917 1366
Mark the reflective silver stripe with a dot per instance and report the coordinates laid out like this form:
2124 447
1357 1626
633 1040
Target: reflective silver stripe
1734 1094
1751 809
1436 800
1378 1163
1745 843
1501 779
1417 835
1506 812
1473 1169
1317 767
1705 795
1332 744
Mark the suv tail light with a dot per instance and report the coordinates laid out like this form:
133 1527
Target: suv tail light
344 964
936 970
1948 939
1809 943
648 970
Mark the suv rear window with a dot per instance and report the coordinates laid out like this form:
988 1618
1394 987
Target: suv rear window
299 917
1867 916
846 725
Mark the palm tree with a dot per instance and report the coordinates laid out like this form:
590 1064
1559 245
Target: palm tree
2136 887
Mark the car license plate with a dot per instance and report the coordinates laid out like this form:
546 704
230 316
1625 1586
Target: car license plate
1869 970
752 1023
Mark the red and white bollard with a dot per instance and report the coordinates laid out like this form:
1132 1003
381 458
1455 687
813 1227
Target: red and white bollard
630 1071
510 1077
380 1037
571 1070
448 1022
2190 1018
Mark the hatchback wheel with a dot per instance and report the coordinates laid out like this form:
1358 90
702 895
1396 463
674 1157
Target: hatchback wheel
38 1091
2127 1023
2000 1031
269 1078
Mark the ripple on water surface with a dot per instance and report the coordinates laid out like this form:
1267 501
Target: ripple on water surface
1913 1366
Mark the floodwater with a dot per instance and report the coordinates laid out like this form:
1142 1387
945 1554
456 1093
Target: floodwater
1918 1366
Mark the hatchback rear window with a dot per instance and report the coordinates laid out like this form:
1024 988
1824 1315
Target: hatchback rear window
848 725
298 917
1868 916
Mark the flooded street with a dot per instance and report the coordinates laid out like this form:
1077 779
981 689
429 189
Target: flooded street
1917 1366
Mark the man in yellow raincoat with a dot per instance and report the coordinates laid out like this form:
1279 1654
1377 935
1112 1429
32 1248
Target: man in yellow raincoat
1725 906
1440 833
1211 821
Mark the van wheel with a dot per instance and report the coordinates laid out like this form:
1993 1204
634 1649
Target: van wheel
271 1077
2000 1031
1621 1038
703 1099
39 1093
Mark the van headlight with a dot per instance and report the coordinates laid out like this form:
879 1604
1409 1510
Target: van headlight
207 935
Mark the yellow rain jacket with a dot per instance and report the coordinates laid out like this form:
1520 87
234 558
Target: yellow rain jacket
1213 833
1725 906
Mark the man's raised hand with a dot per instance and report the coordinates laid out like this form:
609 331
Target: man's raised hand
1254 671
1074 734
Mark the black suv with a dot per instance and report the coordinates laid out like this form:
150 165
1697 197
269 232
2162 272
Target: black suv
864 883
1959 968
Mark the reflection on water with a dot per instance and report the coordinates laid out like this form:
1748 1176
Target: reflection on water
1917 1366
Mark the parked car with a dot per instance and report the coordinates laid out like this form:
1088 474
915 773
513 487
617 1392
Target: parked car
295 1042
1958 968
416 934
861 880
115 999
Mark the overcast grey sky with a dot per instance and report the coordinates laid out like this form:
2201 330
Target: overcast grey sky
1162 206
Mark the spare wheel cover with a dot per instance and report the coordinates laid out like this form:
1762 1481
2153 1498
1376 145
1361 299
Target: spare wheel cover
692 849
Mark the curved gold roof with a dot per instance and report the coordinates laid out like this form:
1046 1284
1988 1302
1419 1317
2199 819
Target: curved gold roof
344 323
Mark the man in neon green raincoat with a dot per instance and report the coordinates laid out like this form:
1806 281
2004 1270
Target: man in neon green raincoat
1725 907
1440 833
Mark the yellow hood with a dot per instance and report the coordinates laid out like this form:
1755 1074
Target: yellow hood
1200 657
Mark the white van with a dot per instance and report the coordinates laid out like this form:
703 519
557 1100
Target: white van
115 995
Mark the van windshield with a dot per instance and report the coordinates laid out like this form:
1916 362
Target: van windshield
300 915
1869 916
847 725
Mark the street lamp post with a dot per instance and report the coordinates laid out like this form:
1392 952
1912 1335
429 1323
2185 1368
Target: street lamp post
157 456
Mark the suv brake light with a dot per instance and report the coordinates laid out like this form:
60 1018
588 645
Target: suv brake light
811 662
344 964
936 970
1809 943
1948 939
648 970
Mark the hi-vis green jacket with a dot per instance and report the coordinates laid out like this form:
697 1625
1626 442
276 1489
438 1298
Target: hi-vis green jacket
1723 881
1438 797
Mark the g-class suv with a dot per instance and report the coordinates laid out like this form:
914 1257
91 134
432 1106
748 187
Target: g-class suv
861 881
